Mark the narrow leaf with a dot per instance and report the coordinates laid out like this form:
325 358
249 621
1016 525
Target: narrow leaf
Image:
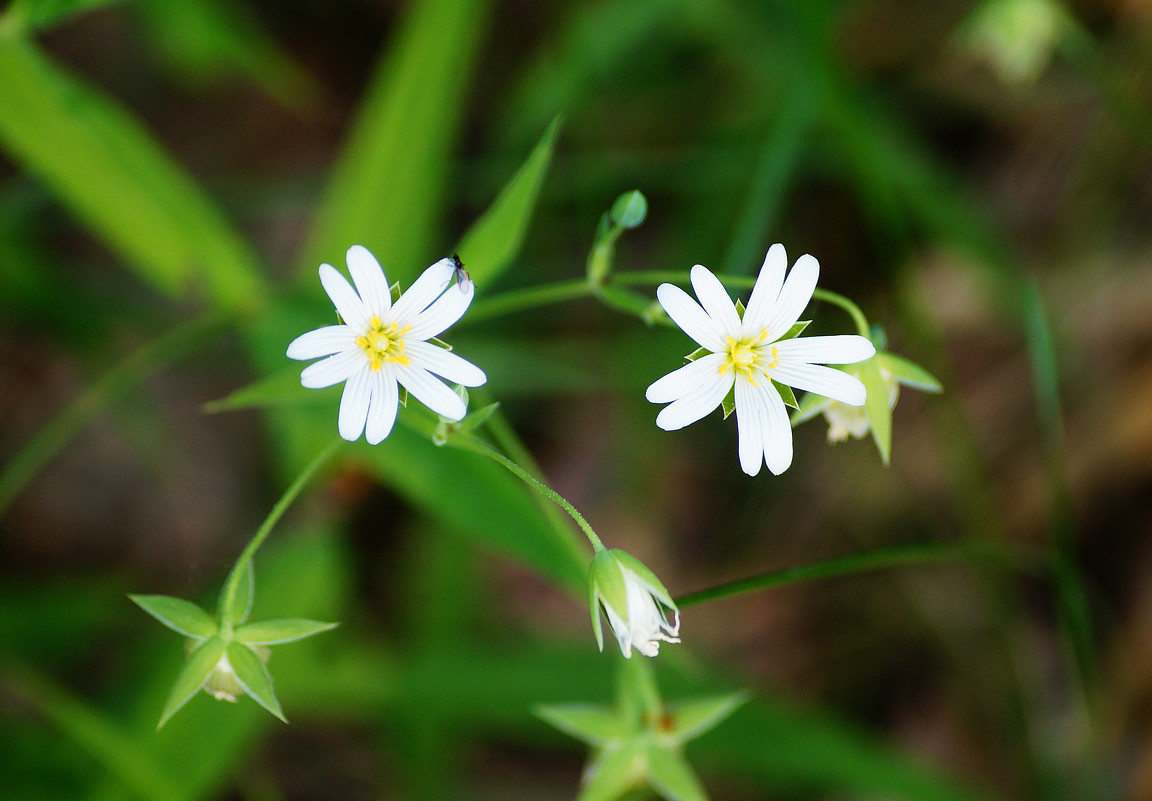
594 725
386 190
34 15
495 239
102 164
279 389
183 617
197 668
252 674
672 777
270 632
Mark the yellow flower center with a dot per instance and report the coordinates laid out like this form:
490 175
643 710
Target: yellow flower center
747 357
383 343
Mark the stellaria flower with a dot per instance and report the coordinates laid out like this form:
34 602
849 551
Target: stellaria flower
381 344
747 353
634 602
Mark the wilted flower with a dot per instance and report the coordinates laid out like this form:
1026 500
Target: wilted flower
749 354
382 344
634 601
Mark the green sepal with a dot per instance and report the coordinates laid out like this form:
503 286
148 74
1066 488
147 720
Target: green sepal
696 354
402 395
253 676
876 407
241 606
395 291
786 394
439 342
594 725
197 668
908 373
270 632
630 562
729 402
611 773
740 308
672 777
878 337
606 586
594 611
810 406
630 209
796 330
699 715
183 617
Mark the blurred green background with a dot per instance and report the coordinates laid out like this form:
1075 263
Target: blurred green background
975 176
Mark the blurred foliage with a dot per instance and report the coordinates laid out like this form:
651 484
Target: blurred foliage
170 170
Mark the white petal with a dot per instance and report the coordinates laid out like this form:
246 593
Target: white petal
842 349
354 404
443 313
425 289
689 315
344 298
766 290
777 432
693 406
332 370
751 419
431 391
685 380
826 381
715 300
794 296
382 406
322 342
445 364
370 280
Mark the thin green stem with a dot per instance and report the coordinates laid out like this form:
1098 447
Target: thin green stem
529 298
927 553
848 306
271 520
478 446
141 363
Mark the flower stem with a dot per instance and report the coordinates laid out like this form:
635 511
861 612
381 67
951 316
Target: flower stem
1026 559
528 298
271 520
481 447
848 306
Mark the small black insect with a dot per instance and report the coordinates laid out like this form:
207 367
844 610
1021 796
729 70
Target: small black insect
463 282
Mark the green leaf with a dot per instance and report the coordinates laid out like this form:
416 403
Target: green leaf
729 402
183 617
279 389
786 394
386 189
197 668
34 15
611 774
630 209
672 777
696 716
876 406
630 562
270 632
594 725
242 596
908 373
100 162
476 419
494 240
252 674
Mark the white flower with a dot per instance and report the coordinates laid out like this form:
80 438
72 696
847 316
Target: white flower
382 343
634 602
747 354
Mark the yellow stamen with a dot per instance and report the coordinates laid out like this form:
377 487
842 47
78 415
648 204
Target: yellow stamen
383 343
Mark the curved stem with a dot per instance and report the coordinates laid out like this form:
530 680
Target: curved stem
271 520
928 553
848 306
478 446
